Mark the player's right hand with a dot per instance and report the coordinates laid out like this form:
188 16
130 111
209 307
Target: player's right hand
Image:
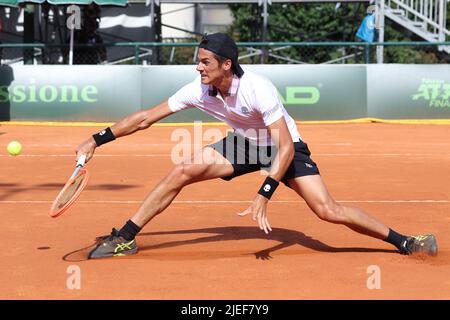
87 148
259 210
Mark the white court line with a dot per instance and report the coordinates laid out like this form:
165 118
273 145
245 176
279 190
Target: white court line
40 145
167 144
97 155
315 154
173 143
217 201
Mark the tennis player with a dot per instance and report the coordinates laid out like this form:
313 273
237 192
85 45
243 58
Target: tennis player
265 137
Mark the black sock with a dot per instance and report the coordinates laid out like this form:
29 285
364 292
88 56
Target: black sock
129 230
395 238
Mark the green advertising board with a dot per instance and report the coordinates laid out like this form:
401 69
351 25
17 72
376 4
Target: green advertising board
409 92
317 92
69 93
309 92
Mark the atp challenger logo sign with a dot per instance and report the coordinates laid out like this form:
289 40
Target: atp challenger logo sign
435 92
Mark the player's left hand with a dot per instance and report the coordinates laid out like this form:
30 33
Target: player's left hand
259 210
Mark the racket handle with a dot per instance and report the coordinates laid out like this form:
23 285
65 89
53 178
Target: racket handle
81 160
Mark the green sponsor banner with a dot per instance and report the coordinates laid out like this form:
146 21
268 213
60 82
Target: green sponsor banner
308 92
409 91
65 93
317 92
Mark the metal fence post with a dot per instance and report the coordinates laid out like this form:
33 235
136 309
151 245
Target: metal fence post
380 26
366 52
136 54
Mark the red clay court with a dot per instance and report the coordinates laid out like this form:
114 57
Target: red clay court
199 248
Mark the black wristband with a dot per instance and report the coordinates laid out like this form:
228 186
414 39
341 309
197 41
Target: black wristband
103 137
268 187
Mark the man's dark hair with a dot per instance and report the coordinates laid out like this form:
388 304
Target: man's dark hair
220 58
224 47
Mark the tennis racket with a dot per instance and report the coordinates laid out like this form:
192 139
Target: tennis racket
71 190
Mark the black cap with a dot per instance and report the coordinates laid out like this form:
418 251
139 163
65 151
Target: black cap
223 45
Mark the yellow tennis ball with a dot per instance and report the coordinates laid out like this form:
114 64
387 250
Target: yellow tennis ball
14 148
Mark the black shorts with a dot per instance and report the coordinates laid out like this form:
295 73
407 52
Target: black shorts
246 158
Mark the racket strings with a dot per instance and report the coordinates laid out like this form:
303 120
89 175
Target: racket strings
69 193
70 190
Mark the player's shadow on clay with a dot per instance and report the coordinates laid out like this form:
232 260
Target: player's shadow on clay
285 237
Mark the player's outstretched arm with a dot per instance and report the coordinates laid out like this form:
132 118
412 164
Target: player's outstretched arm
141 120
137 121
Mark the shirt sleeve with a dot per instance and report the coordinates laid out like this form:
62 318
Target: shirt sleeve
269 102
184 98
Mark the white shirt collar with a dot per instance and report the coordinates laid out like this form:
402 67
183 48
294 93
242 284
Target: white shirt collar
212 91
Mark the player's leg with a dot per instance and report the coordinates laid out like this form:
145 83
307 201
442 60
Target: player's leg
313 190
205 164
304 178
